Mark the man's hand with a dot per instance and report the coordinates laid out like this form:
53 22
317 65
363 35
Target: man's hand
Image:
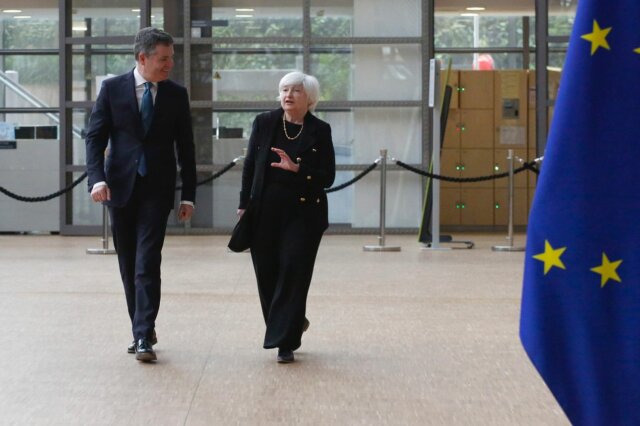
101 193
185 212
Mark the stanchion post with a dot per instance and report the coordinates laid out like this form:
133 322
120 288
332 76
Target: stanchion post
383 201
105 235
509 246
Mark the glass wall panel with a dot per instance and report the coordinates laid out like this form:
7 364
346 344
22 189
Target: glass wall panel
561 22
28 28
360 133
452 31
158 19
91 64
231 134
252 72
368 72
85 211
105 18
33 79
251 18
226 195
30 167
80 119
358 205
365 18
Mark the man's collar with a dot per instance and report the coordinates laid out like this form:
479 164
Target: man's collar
140 80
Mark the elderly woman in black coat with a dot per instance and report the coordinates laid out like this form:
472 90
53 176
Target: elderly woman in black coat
289 163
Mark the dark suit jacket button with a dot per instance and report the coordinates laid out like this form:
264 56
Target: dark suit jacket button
308 177
318 200
302 199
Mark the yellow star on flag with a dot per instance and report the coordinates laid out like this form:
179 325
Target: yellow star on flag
550 257
637 50
607 270
598 37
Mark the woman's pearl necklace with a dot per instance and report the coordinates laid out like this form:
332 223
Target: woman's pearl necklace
284 126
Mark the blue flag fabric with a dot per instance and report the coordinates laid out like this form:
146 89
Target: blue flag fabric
580 317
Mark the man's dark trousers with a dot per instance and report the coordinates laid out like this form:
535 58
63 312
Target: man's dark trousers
138 234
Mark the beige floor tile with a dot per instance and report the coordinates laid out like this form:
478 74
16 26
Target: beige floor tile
414 338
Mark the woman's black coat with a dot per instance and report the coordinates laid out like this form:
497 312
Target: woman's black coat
316 159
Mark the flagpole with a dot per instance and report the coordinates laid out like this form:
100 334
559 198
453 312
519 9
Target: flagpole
435 105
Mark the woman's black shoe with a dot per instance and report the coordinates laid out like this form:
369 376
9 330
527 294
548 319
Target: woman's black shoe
285 356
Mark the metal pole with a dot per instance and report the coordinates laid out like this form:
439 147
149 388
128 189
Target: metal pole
383 195
383 207
510 224
105 235
510 246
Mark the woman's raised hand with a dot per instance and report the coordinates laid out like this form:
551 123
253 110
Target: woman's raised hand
285 161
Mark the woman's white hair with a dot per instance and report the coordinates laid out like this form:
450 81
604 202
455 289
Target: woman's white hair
308 82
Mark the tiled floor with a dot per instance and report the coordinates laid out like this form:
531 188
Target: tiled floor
410 338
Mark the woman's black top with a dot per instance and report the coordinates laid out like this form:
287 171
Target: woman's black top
275 174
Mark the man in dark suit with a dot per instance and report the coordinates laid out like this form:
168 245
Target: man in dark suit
145 119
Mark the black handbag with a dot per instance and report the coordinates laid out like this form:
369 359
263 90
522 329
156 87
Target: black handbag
242 232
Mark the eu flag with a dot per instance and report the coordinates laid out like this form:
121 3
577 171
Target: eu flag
580 318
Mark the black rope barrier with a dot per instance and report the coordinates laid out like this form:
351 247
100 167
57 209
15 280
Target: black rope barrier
216 175
84 175
532 166
46 197
526 166
352 181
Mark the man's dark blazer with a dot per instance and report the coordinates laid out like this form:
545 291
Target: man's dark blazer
316 159
116 118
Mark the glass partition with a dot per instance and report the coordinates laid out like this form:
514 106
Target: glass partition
103 18
366 18
278 18
28 81
251 72
28 28
92 64
368 72
29 167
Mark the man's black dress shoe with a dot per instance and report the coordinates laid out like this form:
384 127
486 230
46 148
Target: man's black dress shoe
144 351
132 346
285 356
